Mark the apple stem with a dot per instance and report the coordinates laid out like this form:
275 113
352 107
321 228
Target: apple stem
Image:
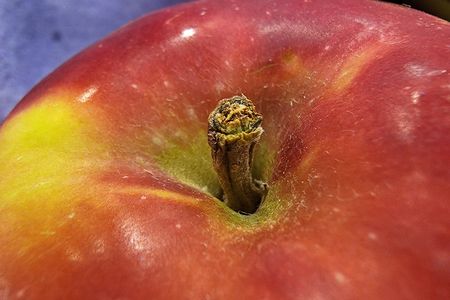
234 129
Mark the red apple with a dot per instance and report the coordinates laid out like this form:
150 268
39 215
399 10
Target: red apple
107 189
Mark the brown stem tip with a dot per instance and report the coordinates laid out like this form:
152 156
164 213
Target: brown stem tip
234 129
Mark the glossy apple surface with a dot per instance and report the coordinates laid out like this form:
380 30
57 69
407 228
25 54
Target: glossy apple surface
107 187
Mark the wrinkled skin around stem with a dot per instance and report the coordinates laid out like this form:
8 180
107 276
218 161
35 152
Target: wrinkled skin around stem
106 179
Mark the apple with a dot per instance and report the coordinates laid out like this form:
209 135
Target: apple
107 184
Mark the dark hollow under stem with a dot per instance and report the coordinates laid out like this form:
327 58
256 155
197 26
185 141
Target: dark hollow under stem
234 129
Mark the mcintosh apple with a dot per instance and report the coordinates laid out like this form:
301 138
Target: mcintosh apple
108 189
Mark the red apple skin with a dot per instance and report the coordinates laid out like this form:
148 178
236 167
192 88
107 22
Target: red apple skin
102 163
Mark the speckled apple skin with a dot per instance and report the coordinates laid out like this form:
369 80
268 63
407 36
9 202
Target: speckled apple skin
106 184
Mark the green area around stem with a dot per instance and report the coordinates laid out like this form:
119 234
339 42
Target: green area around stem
191 163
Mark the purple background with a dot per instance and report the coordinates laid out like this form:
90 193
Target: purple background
36 36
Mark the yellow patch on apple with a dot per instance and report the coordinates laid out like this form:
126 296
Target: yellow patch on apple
44 146
355 64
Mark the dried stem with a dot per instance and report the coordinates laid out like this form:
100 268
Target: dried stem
233 132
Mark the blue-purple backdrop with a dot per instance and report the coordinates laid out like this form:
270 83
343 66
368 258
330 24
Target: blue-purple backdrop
36 36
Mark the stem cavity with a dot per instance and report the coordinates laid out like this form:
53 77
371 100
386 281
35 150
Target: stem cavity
234 129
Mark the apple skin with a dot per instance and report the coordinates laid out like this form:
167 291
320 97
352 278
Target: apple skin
106 183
